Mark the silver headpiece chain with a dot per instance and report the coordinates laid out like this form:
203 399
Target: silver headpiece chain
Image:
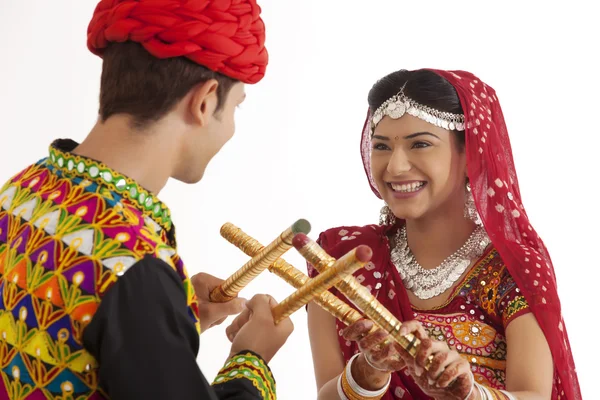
399 104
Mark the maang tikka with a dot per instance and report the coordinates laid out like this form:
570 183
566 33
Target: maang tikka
400 104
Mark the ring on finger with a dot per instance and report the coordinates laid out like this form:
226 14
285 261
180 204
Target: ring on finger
429 362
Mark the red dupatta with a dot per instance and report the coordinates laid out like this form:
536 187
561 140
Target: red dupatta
495 188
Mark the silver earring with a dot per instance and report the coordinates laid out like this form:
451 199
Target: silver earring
470 209
386 216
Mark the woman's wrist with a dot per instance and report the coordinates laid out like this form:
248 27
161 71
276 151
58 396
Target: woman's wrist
366 376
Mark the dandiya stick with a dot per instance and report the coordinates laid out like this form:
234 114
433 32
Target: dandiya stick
297 278
290 274
357 293
326 300
344 267
230 288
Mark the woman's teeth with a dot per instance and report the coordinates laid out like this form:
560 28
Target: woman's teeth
407 187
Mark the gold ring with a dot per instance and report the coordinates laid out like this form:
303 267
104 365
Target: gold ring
429 362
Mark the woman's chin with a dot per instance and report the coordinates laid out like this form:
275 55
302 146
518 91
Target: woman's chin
407 214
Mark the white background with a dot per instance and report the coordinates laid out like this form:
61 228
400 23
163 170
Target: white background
296 151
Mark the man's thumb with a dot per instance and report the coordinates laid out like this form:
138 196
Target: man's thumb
236 306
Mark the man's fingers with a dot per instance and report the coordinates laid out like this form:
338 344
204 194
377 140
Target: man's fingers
261 305
234 306
238 323
203 282
219 322
214 312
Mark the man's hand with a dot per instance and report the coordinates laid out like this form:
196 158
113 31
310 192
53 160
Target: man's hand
212 314
254 329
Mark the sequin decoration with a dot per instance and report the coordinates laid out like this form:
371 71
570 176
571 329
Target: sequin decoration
69 228
248 366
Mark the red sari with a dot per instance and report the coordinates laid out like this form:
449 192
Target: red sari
525 279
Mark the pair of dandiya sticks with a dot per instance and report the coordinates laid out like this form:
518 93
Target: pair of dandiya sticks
332 272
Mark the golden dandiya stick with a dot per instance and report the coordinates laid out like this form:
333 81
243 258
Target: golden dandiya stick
357 293
259 262
345 266
297 279
290 274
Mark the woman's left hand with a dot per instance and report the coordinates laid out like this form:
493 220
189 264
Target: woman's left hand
449 375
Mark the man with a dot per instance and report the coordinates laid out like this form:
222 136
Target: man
96 302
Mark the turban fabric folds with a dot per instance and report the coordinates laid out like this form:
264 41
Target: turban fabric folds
226 36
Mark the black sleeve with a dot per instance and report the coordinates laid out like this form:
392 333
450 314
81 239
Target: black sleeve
146 343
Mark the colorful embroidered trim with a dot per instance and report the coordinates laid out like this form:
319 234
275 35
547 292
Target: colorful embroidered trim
249 366
64 240
72 164
514 307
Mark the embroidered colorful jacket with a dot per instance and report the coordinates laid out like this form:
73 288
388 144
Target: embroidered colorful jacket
88 272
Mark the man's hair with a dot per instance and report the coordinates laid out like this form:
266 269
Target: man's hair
146 88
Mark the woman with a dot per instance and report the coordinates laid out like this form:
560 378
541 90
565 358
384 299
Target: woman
454 255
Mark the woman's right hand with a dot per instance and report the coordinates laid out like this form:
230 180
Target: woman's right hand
381 352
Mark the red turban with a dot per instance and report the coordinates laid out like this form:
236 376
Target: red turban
227 36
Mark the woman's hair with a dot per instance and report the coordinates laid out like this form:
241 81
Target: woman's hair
423 86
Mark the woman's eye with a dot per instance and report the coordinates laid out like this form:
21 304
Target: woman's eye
420 145
380 146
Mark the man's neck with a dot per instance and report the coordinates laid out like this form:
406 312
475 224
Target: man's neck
144 156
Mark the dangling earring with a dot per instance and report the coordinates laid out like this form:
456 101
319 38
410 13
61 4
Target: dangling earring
386 216
470 209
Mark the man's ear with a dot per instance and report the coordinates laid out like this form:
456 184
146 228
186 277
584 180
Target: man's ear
203 101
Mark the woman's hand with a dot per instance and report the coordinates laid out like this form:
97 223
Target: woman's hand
441 373
381 351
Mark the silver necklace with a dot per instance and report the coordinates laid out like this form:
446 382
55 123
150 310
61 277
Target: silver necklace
428 283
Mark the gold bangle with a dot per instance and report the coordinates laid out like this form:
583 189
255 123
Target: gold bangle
351 394
353 391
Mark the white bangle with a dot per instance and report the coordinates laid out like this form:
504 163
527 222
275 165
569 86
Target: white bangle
340 390
372 366
470 391
482 395
359 390
483 392
507 394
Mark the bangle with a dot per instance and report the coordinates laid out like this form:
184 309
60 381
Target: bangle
340 389
487 393
508 395
352 391
471 391
372 366
482 391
